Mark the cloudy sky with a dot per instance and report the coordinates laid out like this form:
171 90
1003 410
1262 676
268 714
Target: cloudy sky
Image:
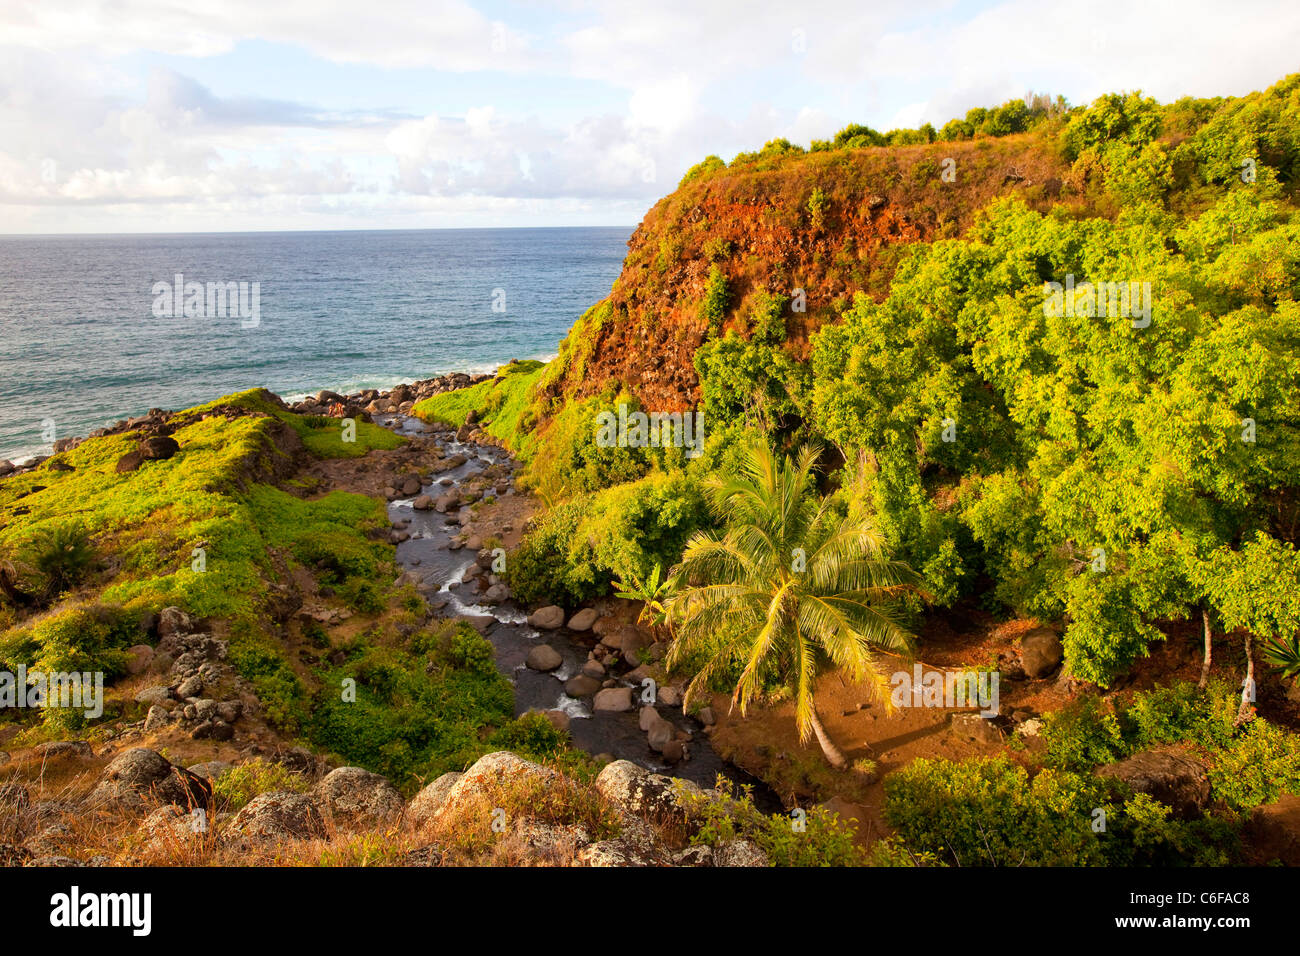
226 115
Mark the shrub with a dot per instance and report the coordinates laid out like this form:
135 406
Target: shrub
239 785
728 813
716 299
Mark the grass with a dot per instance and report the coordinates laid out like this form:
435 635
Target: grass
214 500
502 404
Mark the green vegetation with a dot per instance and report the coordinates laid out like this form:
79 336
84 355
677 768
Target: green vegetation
501 405
991 812
202 530
422 705
792 585
1247 765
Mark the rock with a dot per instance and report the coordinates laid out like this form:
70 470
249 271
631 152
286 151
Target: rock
422 503
491 771
547 618
648 717
496 594
583 620
156 696
139 777
190 687
1169 774
694 856
624 639
14 797
979 728
558 719
594 669
212 770
172 620
650 796
129 462
1032 727
158 448
581 686
739 853
705 716
156 720
171 828
138 659
673 752
428 803
62 748
543 657
279 815
6 467
660 734
1272 832
353 797
669 696
615 699
617 853
1040 652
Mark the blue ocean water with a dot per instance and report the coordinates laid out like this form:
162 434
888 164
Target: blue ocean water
81 345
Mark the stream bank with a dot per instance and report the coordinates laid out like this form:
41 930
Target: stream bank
431 554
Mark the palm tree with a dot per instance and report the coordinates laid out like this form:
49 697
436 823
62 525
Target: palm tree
790 586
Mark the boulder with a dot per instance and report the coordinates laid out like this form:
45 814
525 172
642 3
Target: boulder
158 448
353 797
14 797
171 828
1273 832
138 778
581 686
547 618
154 696
172 620
739 853
976 727
1169 774
617 853
491 771
543 657
651 796
428 803
1041 652
615 699
422 503
138 659
279 815
583 620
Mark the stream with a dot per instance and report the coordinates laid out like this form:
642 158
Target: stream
428 554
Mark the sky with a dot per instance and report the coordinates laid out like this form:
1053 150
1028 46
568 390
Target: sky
237 115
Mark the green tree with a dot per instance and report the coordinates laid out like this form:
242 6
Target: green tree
791 586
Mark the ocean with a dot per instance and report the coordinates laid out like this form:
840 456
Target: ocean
92 329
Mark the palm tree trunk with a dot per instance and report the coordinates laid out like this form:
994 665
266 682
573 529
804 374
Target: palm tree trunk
834 755
1205 663
1247 688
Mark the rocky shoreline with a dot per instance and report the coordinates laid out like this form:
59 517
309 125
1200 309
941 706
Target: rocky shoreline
157 423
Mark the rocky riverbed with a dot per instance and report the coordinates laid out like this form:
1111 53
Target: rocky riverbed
592 671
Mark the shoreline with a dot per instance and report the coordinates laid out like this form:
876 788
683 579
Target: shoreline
360 403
